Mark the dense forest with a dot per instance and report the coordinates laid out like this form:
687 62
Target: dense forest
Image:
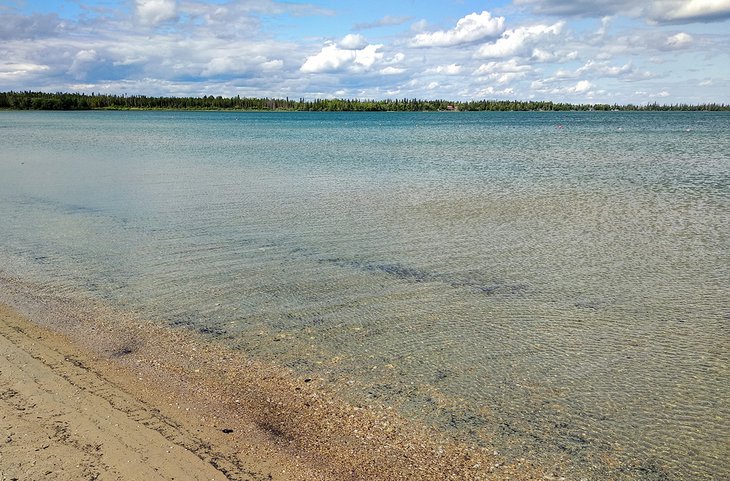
82 101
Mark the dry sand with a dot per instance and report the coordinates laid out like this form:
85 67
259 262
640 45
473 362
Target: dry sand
87 397
61 420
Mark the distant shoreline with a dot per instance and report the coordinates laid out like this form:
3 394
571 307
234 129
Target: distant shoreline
80 101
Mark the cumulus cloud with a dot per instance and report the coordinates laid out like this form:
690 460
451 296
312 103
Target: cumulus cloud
644 93
654 42
541 55
82 60
679 40
153 12
332 58
605 25
397 58
492 92
451 69
234 47
520 41
510 65
392 70
581 87
353 42
471 28
603 69
224 65
653 95
502 72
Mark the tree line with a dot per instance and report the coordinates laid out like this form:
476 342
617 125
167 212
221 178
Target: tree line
28 100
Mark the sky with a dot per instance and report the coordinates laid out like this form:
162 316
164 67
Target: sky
580 51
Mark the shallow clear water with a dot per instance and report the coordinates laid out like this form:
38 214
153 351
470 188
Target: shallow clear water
551 285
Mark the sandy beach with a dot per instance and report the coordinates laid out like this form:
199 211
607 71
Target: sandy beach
86 396
64 418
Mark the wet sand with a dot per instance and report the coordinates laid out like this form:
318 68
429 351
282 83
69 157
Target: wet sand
88 394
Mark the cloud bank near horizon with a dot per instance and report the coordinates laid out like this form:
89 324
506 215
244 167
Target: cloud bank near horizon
568 50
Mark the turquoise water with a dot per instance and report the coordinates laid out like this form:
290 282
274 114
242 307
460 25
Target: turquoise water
551 285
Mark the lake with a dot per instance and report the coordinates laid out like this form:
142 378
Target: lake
553 286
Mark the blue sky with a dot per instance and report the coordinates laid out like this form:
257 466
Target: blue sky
622 51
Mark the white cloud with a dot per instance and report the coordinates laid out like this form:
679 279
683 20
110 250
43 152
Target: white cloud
502 77
392 70
603 69
649 43
236 47
520 41
15 70
541 55
81 62
502 72
644 93
329 59
419 26
83 87
352 42
85 56
605 25
682 11
491 91
236 65
333 59
272 65
511 66
661 11
367 56
451 69
551 54
581 87
223 65
397 58
473 27
152 12
508 77
679 40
